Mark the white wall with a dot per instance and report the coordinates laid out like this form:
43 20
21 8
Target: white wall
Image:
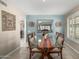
9 40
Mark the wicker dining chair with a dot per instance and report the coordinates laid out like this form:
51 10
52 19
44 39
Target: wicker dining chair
58 49
31 50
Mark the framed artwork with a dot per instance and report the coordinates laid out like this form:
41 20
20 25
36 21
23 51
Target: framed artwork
58 24
8 21
44 25
31 24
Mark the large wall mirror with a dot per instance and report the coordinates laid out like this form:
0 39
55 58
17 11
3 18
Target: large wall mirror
44 25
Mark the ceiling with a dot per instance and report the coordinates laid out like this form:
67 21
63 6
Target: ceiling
50 7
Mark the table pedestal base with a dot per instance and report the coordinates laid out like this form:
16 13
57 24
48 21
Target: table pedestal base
46 55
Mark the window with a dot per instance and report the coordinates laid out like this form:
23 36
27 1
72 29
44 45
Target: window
73 27
77 27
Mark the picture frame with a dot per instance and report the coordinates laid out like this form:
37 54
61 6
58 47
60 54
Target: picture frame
44 25
8 21
31 24
58 23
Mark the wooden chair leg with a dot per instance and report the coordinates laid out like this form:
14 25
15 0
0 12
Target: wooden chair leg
42 57
32 53
58 54
61 56
30 56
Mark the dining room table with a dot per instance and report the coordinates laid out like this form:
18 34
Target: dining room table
45 50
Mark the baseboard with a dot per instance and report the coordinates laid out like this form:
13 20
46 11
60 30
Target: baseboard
10 53
72 48
75 40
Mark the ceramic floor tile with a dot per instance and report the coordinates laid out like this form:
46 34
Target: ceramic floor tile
23 53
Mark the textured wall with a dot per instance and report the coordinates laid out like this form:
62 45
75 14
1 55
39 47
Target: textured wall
9 40
54 18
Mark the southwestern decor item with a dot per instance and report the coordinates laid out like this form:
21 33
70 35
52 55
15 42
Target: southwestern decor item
8 21
31 24
58 24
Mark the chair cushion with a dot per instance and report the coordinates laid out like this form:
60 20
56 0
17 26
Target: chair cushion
55 50
33 43
35 49
59 42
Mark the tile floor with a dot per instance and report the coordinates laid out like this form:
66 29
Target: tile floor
23 53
